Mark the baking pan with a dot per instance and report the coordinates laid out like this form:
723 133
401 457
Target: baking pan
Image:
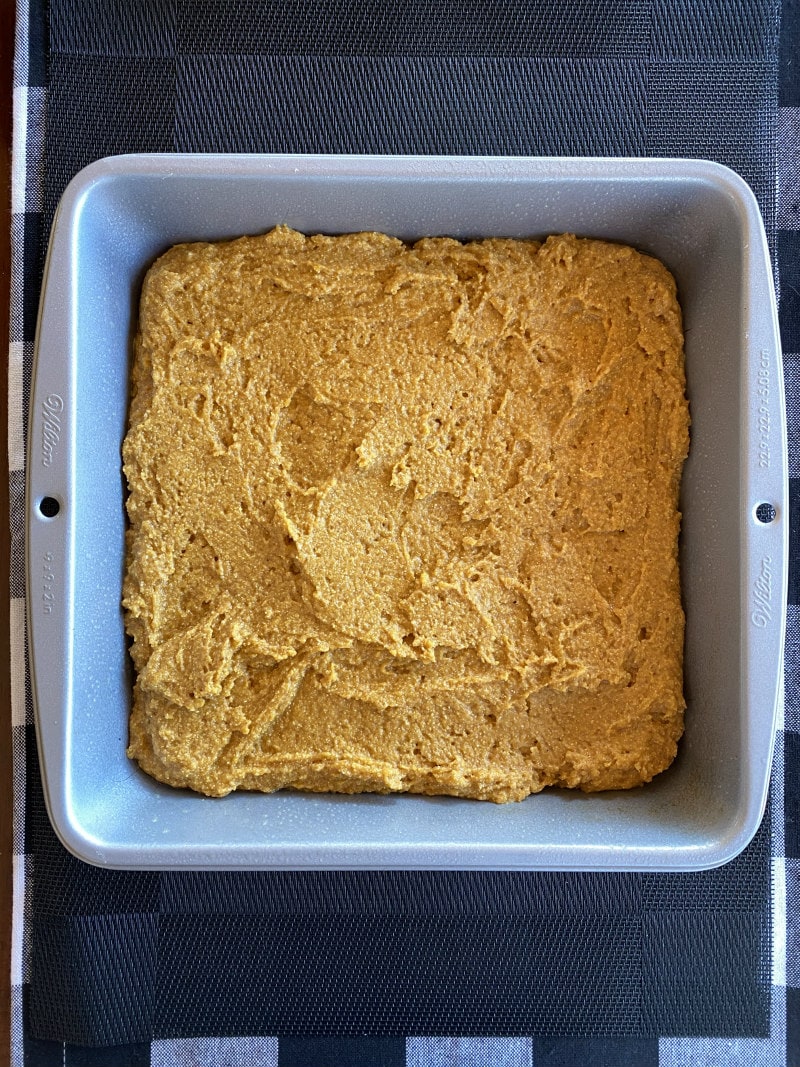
701 219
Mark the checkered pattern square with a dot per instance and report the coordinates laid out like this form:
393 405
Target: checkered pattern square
403 969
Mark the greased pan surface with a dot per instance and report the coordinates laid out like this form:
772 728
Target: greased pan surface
699 218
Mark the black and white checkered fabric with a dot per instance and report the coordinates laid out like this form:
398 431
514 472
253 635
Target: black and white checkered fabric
312 969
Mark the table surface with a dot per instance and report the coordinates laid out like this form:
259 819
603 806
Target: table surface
6 80
7 15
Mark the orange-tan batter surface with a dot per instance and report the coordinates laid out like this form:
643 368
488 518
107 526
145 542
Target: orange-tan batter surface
405 518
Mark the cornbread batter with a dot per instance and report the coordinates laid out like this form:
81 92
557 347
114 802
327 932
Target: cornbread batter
405 518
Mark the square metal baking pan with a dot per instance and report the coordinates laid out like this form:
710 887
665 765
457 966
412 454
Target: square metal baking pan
701 219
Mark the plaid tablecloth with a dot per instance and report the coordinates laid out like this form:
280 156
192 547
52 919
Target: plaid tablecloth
389 969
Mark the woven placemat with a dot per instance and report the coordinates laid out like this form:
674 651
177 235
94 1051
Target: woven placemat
295 968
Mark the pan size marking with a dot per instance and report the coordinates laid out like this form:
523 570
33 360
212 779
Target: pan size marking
52 410
763 421
48 584
761 615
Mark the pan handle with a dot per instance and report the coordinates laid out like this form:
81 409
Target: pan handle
49 517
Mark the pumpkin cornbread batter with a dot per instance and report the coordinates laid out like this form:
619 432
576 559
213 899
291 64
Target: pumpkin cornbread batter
405 518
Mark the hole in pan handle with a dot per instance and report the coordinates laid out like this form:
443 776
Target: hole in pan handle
49 507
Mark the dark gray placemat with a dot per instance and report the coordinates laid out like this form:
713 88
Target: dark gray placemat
117 958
